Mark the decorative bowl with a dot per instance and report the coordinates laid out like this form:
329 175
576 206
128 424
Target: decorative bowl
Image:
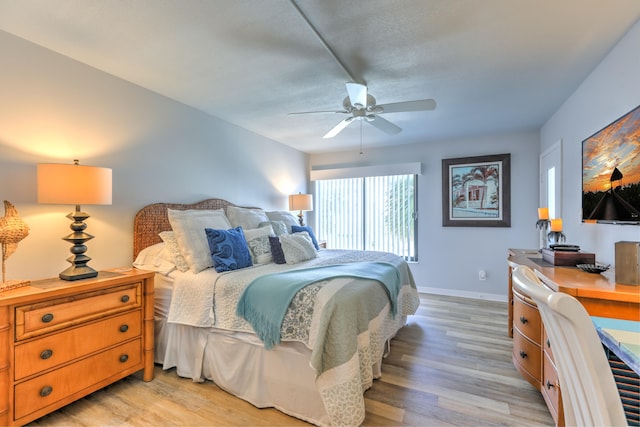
593 268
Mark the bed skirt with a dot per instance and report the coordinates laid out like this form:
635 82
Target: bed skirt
238 363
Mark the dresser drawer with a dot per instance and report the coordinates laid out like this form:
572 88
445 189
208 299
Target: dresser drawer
36 319
527 355
526 318
45 390
58 348
551 388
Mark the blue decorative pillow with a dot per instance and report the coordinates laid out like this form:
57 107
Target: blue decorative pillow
229 249
298 229
276 250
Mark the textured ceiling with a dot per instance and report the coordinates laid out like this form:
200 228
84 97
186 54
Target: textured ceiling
491 65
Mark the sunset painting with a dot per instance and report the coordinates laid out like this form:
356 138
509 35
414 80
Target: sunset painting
611 171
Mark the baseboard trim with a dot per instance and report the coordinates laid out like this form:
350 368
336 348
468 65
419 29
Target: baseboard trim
463 294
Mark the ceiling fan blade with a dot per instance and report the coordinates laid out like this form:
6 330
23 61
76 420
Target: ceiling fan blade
384 125
400 107
317 112
338 128
357 94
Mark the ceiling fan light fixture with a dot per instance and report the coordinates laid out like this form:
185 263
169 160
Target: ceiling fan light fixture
358 111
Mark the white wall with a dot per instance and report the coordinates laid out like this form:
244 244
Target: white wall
53 109
610 91
450 257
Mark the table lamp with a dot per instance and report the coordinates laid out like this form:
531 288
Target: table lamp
75 185
301 202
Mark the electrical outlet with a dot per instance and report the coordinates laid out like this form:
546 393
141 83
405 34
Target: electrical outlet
482 275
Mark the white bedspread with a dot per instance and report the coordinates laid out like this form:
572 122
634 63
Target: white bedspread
209 299
194 295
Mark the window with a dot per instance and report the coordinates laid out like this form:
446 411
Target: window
551 179
370 213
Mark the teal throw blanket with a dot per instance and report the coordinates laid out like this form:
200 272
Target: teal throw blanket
266 299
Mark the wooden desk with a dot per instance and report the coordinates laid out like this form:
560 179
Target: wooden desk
532 352
599 293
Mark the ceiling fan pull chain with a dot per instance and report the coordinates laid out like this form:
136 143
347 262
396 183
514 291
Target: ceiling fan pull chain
360 136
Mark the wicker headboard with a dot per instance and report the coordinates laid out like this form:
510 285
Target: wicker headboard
152 219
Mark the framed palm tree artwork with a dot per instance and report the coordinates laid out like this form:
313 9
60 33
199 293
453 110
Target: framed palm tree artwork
476 191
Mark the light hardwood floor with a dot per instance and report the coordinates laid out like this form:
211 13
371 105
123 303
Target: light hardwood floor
450 366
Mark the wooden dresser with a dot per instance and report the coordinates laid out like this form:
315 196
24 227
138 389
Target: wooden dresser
62 340
532 351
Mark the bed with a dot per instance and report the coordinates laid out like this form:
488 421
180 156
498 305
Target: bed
333 336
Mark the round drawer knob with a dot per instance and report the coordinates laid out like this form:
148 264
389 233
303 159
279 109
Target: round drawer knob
46 318
523 354
124 328
124 358
548 343
523 320
46 391
125 298
549 385
46 354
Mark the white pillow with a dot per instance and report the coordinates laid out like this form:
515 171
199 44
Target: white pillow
279 227
297 247
188 228
169 238
246 218
258 243
284 216
155 258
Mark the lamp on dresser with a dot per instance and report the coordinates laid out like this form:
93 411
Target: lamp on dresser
300 202
75 185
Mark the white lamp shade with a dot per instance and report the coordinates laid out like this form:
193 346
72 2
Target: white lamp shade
301 202
64 184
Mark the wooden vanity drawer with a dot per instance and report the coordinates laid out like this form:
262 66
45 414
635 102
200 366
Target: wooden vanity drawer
546 344
36 319
52 350
45 390
527 357
551 388
526 318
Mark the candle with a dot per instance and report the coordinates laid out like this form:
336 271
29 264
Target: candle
543 213
556 224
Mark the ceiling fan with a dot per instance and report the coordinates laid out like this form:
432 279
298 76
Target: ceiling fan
360 105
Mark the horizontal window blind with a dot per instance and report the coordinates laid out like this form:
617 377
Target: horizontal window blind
370 213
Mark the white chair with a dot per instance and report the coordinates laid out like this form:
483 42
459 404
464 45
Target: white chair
589 393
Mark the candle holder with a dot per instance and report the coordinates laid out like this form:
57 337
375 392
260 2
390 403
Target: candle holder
555 237
542 225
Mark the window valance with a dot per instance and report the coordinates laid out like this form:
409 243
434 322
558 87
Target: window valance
411 168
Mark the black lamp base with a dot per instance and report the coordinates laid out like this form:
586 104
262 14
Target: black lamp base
79 268
78 272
